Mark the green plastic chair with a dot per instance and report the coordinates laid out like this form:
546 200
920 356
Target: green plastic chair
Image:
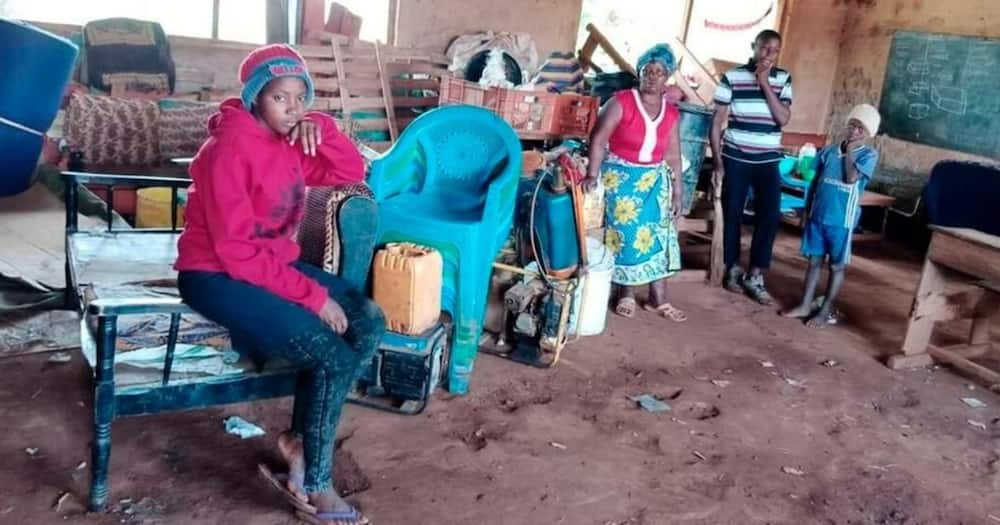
450 183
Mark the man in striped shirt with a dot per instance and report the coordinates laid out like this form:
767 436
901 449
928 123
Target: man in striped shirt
755 101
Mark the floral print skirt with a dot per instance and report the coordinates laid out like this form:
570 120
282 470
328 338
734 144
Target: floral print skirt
640 232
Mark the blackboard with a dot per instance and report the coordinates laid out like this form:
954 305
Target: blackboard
943 90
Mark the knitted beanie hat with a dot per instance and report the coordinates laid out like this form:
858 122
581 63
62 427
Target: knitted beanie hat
868 116
267 63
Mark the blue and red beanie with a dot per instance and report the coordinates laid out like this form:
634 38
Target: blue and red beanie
267 63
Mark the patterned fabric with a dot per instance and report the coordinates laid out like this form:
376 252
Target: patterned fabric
640 231
752 134
113 132
132 84
121 31
318 236
137 332
561 73
128 46
183 127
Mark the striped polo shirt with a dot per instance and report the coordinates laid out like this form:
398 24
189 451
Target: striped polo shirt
752 134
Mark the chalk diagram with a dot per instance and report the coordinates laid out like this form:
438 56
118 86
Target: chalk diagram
930 87
949 99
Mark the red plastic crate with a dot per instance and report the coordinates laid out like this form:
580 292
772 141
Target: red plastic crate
576 115
457 91
532 114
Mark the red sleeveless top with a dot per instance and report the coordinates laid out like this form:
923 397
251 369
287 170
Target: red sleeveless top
641 138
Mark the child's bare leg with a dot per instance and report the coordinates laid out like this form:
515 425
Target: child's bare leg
809 292
832 290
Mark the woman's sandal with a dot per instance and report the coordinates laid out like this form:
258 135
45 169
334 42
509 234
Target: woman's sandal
346 517
626 307
669 311
279 482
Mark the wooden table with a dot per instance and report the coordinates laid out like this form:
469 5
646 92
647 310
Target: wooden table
870 199
956 256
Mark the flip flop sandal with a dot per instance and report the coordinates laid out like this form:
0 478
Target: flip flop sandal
668 311
626 307
279 482
345 517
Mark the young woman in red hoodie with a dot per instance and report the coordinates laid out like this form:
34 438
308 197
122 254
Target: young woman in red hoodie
238 262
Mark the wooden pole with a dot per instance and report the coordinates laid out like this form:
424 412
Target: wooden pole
687 52
393 28
610 50
390 110
716 260
215 19
277 21
686 21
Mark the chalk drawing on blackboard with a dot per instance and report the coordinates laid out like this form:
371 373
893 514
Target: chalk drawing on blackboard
919 89
919 111
918 68
944 91
949 99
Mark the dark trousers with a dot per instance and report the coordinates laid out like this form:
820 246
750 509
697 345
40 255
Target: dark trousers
766 183
268 326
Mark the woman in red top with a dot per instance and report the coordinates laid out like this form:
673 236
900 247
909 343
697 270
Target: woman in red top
238 262
635 150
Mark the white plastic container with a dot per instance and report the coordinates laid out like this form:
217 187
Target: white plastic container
591 312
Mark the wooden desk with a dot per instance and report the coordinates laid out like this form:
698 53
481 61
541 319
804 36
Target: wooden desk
955 255
870 199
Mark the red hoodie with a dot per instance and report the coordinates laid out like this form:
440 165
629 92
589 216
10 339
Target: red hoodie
248 199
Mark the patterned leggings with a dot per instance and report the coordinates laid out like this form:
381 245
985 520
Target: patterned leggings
275 328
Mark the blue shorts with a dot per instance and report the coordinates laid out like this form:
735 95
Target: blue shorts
819 240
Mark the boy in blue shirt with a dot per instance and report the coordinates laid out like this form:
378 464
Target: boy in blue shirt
833 209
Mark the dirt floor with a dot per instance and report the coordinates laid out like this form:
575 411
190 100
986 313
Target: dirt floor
760 431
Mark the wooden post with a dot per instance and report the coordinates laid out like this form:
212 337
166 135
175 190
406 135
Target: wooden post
717 265
215 19
277 21
686 20
586 53
338 62
390 110
311 22
392 30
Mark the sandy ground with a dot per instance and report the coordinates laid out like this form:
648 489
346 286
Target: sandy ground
760 431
